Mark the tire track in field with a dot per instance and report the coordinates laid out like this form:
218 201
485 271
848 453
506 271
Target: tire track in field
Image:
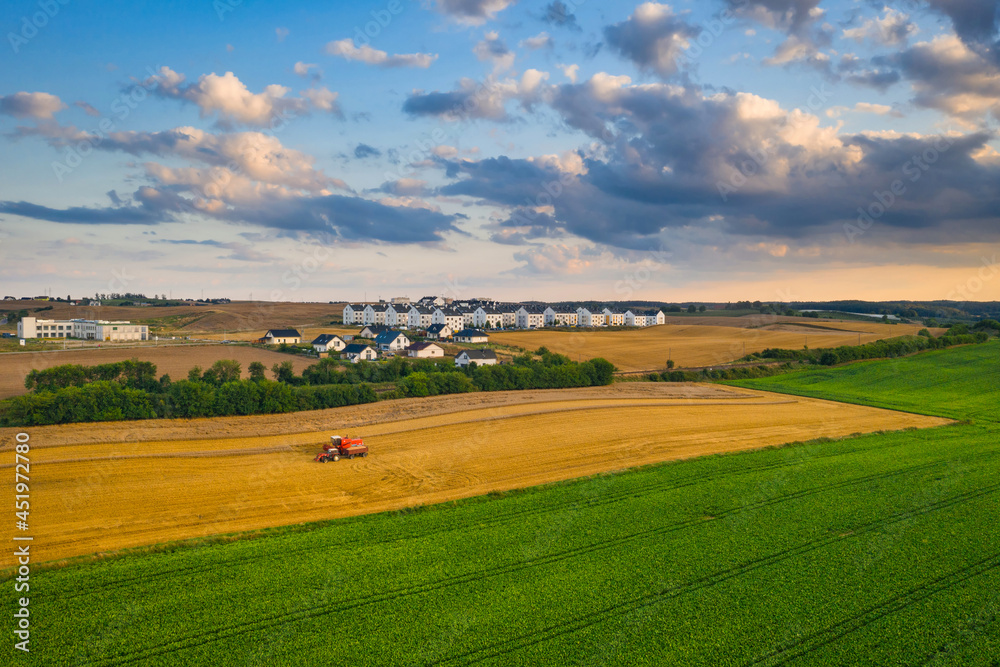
585 621
832 633
492 522
276 620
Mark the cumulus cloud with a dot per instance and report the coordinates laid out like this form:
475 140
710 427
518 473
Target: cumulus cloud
492 49
654 38
406 187
472 12
800 20
570 71
346 49
38 106
558 14
558 259
949 76
362 151
302 69
668 160
479 100
540 41
892 29
228 97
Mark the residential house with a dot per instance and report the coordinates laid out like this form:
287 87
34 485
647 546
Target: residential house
431 301
471 336
420 317
450 317
478 357
509 314
488 317
614 318
371 331
561 317
590 319
397 316
356 352
392 341
425 350
439 331
279 336
354 313
328 343
530 317
374 314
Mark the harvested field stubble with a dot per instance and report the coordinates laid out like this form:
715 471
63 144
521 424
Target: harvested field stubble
173 360
693 345
112 495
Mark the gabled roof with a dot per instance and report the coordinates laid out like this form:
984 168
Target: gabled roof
490 310
437 328
323 339
423 310
479 354
450 312
375 328
563 310
399 308
356 348
470 332
388 336
423 346
283 333
652 313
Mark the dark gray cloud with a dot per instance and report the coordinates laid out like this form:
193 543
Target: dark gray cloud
654 38
784 178
473 12
976 22
361 151
558 14
155 207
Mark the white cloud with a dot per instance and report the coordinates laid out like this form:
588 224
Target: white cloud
892 29
570 71
346 49
540 41
39 106
472 12
302 69
229 98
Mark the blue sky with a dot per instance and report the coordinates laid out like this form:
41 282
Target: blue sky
716 150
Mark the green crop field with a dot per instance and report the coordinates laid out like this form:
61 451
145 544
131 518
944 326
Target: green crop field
882 549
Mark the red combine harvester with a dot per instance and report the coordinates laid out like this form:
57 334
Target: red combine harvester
342 447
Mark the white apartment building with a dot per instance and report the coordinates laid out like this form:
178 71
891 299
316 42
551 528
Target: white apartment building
530 317
561 317
420 317
397 316
487 316
614 318
450 317
107 330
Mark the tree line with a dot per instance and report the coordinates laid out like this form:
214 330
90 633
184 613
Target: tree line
128 390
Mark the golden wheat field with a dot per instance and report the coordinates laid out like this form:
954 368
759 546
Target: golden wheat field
695 345
174 360
134 488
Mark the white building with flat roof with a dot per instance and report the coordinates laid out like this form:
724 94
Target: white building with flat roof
118 330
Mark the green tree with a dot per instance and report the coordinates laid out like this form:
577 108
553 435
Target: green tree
701 309
194 375
257 371
283 372
692 308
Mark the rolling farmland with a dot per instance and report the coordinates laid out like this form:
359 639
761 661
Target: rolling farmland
878 549
692 345
152 491
174 360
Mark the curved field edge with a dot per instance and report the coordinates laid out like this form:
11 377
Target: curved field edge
960 383
422 575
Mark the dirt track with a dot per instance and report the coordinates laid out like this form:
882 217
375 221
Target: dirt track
143 484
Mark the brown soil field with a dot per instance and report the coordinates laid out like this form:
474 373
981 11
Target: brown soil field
101 488
692 345
175 360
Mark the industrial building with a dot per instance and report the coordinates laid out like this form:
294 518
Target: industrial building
106 330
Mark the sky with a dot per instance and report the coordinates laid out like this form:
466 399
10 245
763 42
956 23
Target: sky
718 150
